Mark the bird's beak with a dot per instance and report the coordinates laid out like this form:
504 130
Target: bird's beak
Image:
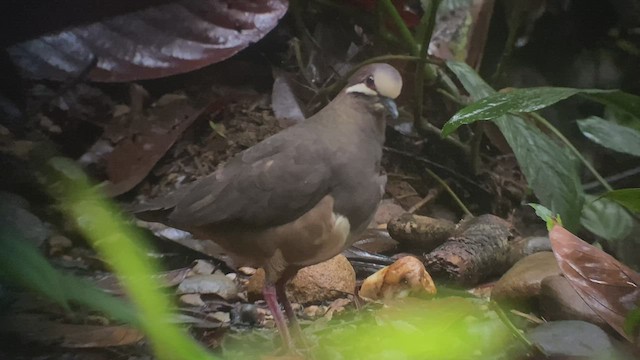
390 105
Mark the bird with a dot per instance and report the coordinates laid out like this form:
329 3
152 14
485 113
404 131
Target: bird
299 197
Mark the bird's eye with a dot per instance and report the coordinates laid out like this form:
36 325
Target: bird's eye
370 83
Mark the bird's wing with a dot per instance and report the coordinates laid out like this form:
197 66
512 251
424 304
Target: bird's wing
269 184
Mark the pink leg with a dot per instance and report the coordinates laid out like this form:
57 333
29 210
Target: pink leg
270 296
282 295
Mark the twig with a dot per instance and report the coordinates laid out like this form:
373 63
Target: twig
451 97
296 10
514 330
476 141
613 178
297 50
450 191
434 164
432 194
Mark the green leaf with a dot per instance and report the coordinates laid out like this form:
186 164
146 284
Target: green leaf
551 172
622 102
547 215
471 81
606 218
611 135
629 198
621 118
514 101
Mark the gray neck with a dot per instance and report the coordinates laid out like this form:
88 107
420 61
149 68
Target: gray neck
354 113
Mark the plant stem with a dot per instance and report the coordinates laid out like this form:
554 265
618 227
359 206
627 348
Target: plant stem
476 141
508 48
405 33
514 330
450 191
575 151
423 38
451 97
333 89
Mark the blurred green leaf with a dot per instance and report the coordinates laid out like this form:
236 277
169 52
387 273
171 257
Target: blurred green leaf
606 218
632 322
629 198
551 172
124 250
611 135
448 328
22 264
410 328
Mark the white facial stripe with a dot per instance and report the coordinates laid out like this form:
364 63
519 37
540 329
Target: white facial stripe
361 89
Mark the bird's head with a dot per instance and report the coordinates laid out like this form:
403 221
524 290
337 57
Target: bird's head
379 84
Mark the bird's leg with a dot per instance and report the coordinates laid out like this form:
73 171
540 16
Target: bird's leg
270 296
282 295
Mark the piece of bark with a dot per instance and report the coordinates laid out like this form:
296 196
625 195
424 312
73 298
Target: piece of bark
420 232
478 250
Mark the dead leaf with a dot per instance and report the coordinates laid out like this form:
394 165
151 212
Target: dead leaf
216 284
336 306
192 300
111 284
608 286
152 42
39 329
286 106
133 158
202 267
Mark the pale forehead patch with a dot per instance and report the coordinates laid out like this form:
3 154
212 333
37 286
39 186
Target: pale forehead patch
386 78
388 81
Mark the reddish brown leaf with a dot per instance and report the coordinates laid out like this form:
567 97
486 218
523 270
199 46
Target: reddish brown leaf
409 11
135 156
609 287
154 42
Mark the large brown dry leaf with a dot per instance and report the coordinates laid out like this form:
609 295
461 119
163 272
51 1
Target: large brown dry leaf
133 157
609 287
154 42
